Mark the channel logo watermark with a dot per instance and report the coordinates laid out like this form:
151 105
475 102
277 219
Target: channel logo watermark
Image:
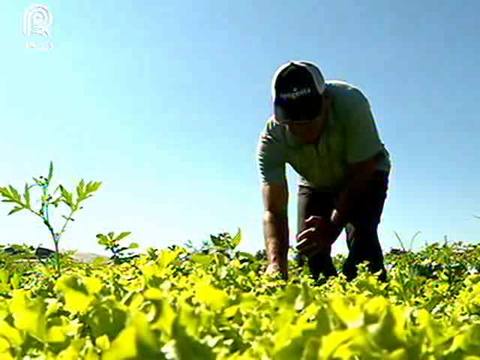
37 27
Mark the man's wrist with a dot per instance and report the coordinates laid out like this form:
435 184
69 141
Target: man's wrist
276 250
278 258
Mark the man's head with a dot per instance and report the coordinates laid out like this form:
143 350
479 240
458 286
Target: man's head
299 101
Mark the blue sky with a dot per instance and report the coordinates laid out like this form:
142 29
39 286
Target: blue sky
164 102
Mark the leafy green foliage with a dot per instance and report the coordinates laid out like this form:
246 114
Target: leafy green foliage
73 202
215 302
119 252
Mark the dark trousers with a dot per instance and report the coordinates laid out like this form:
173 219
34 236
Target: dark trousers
361 228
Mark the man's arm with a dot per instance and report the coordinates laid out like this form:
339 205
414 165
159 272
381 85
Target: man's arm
362 140
275 224
358 175
271 164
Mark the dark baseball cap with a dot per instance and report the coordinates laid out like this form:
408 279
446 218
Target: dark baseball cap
297 89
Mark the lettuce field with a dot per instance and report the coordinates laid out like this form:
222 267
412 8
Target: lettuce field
215 303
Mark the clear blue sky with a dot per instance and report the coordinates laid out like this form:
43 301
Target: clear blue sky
164 102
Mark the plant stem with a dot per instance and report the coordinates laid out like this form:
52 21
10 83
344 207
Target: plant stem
55 242
57 258
65 225
56 239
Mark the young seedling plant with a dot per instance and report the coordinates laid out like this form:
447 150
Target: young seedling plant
71 199
111 242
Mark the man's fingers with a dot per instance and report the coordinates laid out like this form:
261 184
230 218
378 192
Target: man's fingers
312 219
305 233
306 245
309 219
312 245
313 249
310 251
305 242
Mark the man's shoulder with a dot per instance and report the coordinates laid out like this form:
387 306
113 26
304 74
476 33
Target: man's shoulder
345 95
273 129
343 89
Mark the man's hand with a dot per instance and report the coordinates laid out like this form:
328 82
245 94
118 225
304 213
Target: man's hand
319 236
274 268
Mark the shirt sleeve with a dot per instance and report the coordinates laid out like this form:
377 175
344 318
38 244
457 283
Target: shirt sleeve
270 160
362 139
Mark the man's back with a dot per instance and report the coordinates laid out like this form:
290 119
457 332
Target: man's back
350 136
